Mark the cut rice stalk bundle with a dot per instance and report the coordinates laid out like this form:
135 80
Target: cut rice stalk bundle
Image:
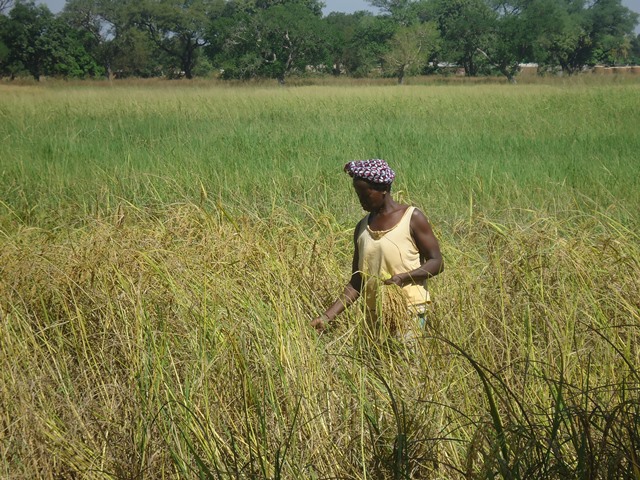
392 309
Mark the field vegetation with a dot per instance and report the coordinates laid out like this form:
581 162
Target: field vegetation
163 248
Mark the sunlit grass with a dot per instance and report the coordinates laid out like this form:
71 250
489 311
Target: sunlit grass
532 144
162 251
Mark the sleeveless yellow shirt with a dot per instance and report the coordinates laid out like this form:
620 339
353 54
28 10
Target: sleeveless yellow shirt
383 254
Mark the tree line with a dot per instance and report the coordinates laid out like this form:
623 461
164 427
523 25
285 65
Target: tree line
245 39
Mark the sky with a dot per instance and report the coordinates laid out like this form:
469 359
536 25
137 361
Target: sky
347 6
350 6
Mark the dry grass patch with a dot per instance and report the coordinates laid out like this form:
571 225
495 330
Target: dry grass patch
176 344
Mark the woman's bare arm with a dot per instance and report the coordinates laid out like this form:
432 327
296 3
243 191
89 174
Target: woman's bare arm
351 291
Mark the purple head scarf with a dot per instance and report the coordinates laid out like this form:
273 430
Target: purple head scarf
373 170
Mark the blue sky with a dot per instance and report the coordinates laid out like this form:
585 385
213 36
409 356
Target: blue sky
350 6
347 6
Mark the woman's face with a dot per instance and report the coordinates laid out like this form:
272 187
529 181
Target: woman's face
370 198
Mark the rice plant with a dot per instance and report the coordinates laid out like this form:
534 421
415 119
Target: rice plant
163 249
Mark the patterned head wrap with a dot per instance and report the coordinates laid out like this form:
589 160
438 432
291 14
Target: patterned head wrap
373 170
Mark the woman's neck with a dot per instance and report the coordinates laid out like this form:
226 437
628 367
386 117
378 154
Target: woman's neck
389 206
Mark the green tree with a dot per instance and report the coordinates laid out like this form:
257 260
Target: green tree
133 54
563 38
22 36
114 39
467 27
621 55
610 24
40 44
87 16
405 12
340 28
177 27
634 53
369 44
313 6
4 49
509 41
270 41
358 41
399 10
571 36
410 49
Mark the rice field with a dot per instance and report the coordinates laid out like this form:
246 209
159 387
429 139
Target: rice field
164 246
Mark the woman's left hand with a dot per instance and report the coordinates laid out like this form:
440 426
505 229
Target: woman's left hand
395 280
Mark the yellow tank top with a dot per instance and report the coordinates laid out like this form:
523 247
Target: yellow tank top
383 254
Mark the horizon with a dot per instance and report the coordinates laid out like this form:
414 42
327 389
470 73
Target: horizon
347 6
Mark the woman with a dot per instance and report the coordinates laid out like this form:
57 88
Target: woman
393 245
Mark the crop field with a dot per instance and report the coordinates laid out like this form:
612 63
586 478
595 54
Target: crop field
164 246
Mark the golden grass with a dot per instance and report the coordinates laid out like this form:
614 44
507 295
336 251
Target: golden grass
161 346
162 251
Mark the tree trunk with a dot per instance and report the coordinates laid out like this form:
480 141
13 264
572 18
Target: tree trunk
511 78
187 60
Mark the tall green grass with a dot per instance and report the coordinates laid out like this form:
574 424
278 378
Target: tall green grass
162 251
498 146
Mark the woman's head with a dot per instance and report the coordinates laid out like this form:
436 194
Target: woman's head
375 171
372 182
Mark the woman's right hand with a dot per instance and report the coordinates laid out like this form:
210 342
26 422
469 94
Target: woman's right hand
320 323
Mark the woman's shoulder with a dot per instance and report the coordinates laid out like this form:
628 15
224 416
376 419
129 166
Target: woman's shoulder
418 219
416 211
408 210
362 223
